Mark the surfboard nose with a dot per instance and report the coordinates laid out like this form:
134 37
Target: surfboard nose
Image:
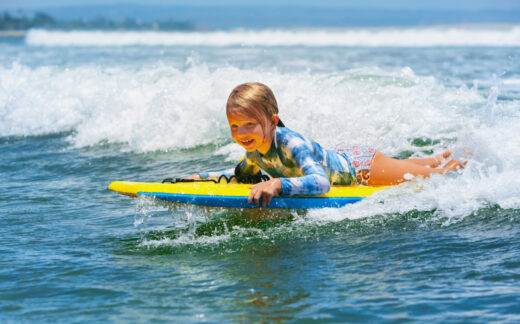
124 187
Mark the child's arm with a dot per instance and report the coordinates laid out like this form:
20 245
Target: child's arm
315 180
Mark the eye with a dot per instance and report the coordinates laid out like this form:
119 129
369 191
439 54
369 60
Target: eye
250 124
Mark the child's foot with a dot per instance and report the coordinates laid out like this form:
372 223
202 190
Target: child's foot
441 158
454 165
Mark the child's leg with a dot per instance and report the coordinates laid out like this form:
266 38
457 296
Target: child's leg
387 171
431 162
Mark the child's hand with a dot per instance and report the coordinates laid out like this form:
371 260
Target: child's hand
193 177
265 191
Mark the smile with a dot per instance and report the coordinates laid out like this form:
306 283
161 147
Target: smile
247 143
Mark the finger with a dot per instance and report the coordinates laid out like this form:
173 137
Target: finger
258 195
454 165
251 196
266 200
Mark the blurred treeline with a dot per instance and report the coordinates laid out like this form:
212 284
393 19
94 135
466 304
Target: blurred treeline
42 20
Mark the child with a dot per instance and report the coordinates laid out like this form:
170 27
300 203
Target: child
299 166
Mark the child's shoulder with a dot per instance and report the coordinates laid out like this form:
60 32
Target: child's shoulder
287 133
288 137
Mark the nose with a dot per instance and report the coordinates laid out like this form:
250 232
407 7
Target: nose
241 130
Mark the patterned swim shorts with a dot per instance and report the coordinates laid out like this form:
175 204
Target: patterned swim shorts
360 159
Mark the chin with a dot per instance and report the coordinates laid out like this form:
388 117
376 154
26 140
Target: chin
250 149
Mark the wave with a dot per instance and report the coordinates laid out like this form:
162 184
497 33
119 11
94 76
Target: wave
149 110
161 108
367 37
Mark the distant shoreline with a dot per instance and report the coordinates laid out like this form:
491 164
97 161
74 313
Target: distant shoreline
196 18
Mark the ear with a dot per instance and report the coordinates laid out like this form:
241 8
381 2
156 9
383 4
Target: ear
275 119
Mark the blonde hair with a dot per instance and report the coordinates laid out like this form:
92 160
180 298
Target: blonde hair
253 99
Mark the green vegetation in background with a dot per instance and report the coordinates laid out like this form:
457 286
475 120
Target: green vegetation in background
42 20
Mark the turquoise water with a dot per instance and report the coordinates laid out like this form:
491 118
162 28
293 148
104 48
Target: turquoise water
74 117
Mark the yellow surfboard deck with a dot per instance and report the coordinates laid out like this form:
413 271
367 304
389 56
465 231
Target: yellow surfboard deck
235 195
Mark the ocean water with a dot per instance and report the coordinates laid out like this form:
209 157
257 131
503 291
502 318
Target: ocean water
81 109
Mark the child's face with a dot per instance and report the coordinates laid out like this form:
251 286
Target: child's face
249 133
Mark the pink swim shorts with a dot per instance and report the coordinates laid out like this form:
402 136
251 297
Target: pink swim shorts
360 159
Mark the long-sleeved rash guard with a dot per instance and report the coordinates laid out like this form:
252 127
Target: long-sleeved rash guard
303 166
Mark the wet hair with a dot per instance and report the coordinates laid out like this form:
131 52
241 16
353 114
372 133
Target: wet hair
255 100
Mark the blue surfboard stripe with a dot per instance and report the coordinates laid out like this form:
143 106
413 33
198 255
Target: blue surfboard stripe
241 201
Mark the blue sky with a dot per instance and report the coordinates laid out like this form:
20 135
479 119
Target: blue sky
369 4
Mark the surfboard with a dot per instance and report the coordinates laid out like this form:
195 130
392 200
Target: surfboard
234 195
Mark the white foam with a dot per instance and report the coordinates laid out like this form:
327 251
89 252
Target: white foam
489 179
371 37
185 239
512 82
162 107
149 109
232 152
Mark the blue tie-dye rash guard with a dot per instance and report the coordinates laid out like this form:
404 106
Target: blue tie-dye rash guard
303 166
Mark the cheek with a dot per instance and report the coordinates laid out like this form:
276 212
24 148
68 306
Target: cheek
259 131
235 135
